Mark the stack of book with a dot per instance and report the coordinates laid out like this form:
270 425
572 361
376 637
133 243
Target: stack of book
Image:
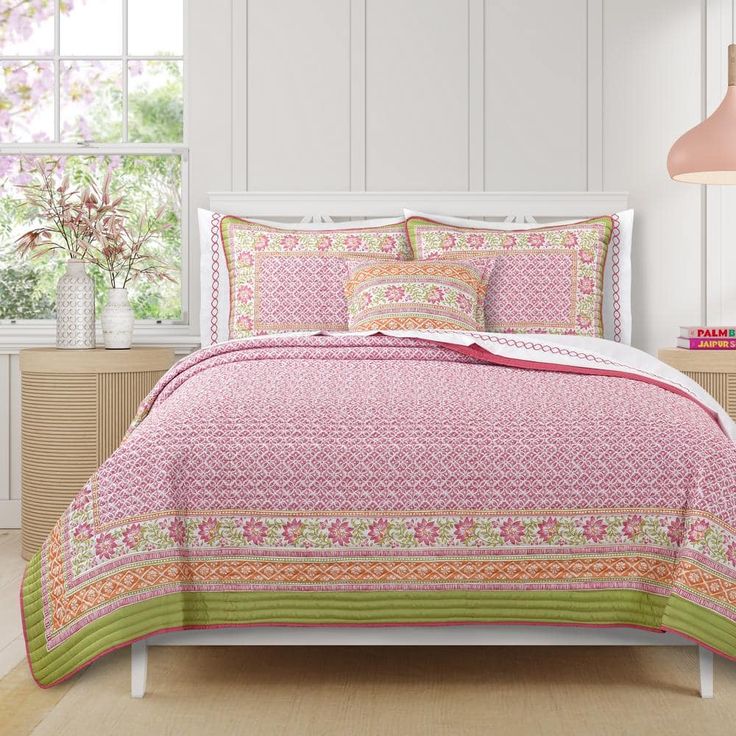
707 338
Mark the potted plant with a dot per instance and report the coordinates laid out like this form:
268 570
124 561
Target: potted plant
92 227
122 250
71 222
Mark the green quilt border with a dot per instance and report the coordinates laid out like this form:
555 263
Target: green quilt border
620 607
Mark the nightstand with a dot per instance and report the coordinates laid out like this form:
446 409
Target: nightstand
76 406
714 370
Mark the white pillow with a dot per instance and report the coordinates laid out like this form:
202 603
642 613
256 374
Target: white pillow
214 315
616 276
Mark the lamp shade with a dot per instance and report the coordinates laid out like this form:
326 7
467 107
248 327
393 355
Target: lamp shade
706 154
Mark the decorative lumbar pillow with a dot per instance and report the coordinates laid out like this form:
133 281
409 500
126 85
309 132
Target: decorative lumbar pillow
264 277
416 295
548 279
617 318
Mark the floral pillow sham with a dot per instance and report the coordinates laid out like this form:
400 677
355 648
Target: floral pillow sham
417 295
617 317
545 280
263 277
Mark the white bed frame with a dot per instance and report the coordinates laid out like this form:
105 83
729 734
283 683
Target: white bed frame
322 207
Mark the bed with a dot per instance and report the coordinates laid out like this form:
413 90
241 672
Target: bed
401 488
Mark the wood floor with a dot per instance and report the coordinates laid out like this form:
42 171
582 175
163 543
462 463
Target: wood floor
432 691
12 648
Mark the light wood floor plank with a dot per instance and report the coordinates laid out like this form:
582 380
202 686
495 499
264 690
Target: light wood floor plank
12 654
24 705
10 621
12 649
11 563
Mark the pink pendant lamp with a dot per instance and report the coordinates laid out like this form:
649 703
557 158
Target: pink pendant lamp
706 154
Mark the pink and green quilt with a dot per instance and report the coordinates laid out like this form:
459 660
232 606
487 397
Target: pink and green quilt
398 479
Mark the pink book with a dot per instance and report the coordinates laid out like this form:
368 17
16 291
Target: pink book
704 331
706 343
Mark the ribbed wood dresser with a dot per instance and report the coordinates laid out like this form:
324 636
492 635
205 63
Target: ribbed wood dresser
76 406
714 370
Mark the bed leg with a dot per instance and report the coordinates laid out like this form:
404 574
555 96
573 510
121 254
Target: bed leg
705 660
138 669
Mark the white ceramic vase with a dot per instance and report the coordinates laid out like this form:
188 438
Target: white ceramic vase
117 320
75 308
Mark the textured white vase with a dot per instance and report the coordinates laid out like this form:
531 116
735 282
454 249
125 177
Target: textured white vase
117 320
75 308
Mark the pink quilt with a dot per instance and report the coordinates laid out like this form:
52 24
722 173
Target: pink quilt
351 479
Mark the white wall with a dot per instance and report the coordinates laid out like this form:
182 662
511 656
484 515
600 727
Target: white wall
474 94
462 94
653 86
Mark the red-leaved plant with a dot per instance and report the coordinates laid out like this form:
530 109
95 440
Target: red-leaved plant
71 218
93 226
122 247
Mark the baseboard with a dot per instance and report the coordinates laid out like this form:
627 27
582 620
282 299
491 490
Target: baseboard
10 514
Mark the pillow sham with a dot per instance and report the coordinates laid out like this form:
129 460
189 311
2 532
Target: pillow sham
617 319
260 277
417 295
546 280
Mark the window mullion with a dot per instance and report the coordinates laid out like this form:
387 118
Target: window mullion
87 57
102 149
125 71
57 71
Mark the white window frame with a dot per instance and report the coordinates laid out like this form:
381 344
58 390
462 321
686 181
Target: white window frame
15 334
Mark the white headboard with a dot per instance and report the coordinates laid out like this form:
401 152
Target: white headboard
325 205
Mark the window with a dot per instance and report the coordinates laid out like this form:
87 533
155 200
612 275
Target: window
98 86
